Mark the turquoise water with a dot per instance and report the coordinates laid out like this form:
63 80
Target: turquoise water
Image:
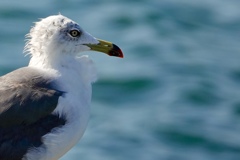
175 95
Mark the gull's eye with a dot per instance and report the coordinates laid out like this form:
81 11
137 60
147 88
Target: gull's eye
74 33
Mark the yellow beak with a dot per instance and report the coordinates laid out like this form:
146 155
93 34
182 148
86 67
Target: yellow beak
106 47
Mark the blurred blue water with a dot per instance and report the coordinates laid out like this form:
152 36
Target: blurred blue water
175 95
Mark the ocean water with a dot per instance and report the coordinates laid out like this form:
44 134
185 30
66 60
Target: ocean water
175 95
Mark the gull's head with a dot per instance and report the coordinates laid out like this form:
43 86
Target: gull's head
56 35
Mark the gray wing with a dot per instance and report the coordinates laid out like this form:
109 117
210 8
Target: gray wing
26 95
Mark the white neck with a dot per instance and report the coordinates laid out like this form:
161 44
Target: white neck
74 76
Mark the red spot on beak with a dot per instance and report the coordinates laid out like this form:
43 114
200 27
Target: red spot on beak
116 51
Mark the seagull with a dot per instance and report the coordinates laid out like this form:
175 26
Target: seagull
44 107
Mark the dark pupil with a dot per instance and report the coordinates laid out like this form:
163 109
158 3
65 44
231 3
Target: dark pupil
74 33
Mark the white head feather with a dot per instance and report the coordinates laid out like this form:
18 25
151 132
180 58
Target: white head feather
49 39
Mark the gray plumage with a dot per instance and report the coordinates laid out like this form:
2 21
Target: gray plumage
44 108
27 100
22 87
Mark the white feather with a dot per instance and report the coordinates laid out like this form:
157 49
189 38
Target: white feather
56 55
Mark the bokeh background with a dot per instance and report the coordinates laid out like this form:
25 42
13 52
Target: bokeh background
175 95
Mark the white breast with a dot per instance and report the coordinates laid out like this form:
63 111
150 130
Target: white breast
75 79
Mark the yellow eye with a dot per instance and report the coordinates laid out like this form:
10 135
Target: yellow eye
74 33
